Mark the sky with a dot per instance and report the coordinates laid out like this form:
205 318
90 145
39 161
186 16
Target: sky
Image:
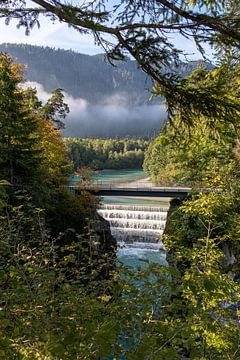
55 35
82 119
59 35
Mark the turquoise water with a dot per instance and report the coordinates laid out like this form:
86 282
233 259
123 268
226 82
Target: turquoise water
109 176
132 201
121 176
135 257
139 258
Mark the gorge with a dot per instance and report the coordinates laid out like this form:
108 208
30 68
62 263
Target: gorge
136 223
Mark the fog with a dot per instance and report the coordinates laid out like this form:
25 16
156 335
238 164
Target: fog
114 117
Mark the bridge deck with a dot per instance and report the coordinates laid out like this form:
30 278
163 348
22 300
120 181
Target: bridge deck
143 190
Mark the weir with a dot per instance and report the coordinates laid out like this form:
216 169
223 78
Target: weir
136 226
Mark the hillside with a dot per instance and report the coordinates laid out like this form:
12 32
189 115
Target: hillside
117 97
84 76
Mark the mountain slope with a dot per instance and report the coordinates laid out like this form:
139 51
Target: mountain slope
85 76
105 100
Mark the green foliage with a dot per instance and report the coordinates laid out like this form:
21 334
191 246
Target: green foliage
55 278
3 193
157 313
55 260
19 153
189 154
32 154
208 94
197 236
107 153
46 310
146 31
55 108
202 232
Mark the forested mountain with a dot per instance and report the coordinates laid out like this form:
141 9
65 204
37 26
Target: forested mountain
104 100
85 76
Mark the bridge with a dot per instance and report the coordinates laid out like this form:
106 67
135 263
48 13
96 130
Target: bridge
134 189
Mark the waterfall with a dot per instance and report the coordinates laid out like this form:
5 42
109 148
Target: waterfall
136 226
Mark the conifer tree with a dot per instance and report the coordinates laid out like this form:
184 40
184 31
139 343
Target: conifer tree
19 154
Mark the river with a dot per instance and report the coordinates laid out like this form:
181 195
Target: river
136 223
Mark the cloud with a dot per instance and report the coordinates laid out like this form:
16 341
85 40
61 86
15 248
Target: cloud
58 34
53 34
43 95
114 117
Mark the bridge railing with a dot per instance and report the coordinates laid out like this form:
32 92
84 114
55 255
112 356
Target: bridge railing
141 186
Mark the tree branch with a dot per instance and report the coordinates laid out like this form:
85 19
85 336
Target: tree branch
211 22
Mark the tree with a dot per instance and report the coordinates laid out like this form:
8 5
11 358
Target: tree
191 319
32 152
185 155
144 30
106 153
33 156
19 152
56 165
202 231
56 109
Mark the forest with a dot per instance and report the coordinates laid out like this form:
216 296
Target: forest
117 97
63 294
51 243
99 154
58 259
79 75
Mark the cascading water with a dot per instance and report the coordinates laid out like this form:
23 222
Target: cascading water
136 226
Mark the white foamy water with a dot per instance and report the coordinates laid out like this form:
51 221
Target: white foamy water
137 229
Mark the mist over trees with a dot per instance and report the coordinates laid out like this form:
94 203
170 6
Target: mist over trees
117 97
146 32
90 77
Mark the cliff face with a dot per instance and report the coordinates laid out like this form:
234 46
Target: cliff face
105 242
170 229
104 246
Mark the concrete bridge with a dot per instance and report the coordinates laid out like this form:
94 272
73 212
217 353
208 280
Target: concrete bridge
134 189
